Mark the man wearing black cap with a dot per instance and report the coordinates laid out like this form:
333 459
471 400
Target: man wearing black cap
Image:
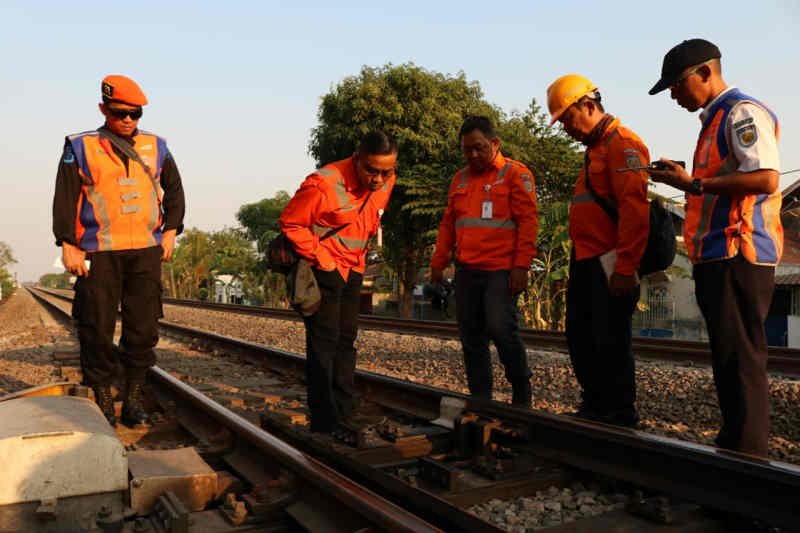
733 232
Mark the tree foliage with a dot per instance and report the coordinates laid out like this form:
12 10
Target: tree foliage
260 222
6 255
424 110
200 256
55 281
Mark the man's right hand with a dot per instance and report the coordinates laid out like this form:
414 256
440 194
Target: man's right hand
74 259
436 275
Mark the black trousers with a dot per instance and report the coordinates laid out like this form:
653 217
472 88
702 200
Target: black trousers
599 340
126 279
330 350
734 297
486 310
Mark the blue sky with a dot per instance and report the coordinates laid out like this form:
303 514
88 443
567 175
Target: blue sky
234 86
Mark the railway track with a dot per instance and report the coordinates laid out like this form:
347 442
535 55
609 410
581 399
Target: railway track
198 468
781 359
477 451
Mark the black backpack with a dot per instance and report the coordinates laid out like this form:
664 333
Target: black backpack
660 250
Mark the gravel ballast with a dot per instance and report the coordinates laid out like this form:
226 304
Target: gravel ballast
674 400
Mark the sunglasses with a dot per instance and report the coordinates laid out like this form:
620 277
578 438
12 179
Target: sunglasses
372 172
682 78
135 114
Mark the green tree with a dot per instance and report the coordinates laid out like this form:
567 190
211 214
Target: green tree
260 222
189 267
55 281
424 111
6 258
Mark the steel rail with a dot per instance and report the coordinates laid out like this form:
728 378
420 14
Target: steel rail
377 510
725 480
781 359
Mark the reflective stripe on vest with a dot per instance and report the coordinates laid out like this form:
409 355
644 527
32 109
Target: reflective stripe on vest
119 207
721 226
498 223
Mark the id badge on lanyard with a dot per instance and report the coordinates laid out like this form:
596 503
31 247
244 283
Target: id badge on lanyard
486 206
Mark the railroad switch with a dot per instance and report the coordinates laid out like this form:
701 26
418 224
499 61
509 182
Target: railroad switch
440 474
473 434
504 465
234 511
169 514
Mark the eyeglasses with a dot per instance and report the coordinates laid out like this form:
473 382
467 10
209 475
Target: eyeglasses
135 114
372 172
680 80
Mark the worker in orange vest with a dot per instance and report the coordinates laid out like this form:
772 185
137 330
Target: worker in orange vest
733 231
491 222
350 195
115 227
603 285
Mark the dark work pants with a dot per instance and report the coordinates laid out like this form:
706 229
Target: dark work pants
130 279
599 340
330 350
734 296
486 310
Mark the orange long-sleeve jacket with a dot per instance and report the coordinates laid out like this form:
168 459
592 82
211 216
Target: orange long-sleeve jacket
504 240
328 198
592 231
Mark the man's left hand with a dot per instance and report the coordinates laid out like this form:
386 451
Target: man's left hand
518 280
167 244
622 285
675 175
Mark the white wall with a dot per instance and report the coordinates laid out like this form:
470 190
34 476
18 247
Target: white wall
794 331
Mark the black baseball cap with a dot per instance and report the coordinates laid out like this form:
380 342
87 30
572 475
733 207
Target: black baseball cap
683 56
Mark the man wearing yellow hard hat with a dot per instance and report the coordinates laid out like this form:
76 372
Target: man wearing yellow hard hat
117 208
608 225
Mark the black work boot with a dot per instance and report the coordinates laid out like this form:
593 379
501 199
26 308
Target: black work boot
521 394
105 401
133 413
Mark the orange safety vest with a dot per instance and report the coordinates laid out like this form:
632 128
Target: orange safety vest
502 241
328 198
592 231
719 226
119 207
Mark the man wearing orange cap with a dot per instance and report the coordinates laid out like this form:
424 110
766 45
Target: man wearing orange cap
609 225
117 208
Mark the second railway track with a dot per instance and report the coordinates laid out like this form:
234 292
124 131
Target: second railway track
478 451
781 359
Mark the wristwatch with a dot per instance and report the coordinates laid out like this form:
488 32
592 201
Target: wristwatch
696 188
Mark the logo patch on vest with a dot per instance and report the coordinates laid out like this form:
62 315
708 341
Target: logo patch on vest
747 136
632 161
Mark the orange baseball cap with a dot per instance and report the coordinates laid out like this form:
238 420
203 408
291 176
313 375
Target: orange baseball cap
122 89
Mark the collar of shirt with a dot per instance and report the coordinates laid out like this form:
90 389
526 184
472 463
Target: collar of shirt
499 161
704 113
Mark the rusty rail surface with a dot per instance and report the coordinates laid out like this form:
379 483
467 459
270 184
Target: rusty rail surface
724 480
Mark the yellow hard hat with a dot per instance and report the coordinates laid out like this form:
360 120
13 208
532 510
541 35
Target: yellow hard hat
565 91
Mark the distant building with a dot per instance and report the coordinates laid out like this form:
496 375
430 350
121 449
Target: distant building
668 306
228 289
